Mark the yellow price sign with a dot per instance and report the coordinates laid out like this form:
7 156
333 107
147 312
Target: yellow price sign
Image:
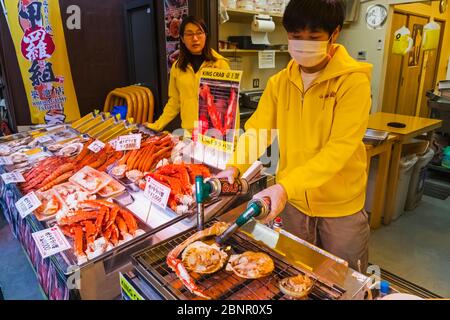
129 289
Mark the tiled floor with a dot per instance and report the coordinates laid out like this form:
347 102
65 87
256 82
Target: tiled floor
416 247
17 278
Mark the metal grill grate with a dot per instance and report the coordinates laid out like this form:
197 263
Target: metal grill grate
222 285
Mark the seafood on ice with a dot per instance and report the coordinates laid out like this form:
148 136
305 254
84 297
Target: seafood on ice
51 205
152 151
72 194
90 179
251 265
58 169
202 258
178 266
97 227
296 287
179 178
113 188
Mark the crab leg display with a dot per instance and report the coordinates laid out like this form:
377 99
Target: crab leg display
96 225
212 109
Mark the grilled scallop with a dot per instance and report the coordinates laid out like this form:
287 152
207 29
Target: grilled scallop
251 265
202 258
296 287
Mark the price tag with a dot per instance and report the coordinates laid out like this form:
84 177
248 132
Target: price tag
157 193
129 142
50 242
113 143
5 149
13 177
28 204
6 161
96 146
128 289
45 139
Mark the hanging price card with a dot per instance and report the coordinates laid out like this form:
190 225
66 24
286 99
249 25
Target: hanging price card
129 142
6 161
96 146
13 177
50 242
157 193
28 204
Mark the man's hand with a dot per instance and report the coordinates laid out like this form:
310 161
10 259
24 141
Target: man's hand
230 173
278 199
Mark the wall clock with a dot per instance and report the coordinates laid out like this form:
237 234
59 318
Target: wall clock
376 16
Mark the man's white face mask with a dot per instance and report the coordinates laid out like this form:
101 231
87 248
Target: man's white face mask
308 53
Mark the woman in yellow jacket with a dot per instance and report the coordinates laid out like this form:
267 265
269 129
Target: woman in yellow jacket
195 54
320 107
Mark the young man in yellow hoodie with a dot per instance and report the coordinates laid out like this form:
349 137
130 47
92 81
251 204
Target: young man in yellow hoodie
320 106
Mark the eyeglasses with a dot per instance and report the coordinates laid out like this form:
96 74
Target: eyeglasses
191 35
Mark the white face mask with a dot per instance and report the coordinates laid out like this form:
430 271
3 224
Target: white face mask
308 53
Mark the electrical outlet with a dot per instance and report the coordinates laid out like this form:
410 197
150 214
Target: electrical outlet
362 55
255 83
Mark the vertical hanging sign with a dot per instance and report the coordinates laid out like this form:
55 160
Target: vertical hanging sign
37 32
215 133
175 11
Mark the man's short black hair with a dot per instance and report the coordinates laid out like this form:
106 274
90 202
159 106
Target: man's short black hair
314 15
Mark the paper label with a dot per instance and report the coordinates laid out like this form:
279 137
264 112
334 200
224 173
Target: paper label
113 143
13 177
266 59
45 139
157 193
129 142
6 161
50 242
28 204
96 146
128 289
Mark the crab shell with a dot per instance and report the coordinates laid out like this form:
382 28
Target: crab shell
303 284
198 249
260 265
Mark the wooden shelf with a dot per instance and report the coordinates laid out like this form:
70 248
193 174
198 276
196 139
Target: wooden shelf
229 52
238 15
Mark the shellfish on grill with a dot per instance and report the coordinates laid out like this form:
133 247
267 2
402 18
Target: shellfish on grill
251 265
202 258
296 287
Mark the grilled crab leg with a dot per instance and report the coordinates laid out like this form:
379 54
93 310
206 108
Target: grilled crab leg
176 264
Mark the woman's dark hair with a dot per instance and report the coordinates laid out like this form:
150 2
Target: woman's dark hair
183 60
314 15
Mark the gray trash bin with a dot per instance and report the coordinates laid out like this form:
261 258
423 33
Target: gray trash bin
417 183
404 177
370 190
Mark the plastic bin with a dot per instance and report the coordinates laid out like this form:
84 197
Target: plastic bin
370 190
404 178
417 183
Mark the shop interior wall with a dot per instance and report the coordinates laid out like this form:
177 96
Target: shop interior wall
97 52
249 62
433 11
358 37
